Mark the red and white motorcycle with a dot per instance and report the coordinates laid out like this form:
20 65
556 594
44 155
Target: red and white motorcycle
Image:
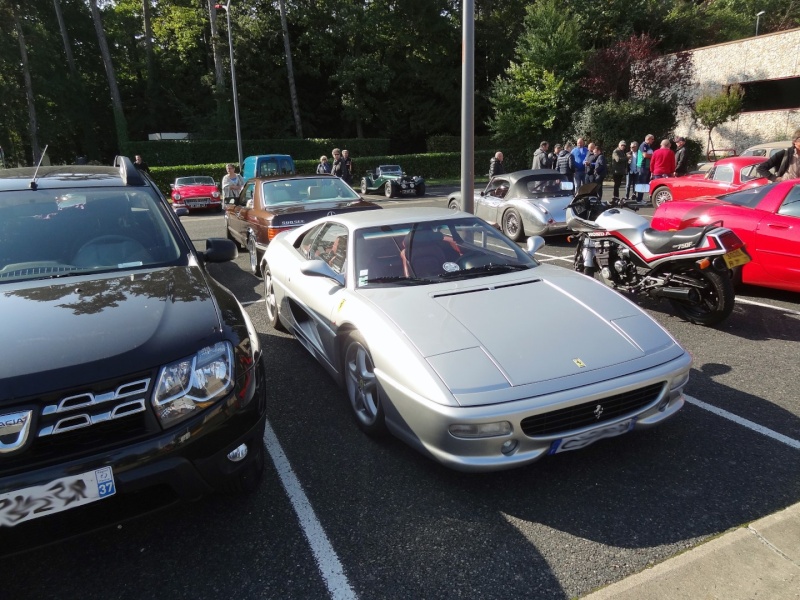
689 267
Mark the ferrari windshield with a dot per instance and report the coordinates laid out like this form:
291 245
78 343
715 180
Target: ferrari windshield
434 251
53 233
749 197
199 180
307 190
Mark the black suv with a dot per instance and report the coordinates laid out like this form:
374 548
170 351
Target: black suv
126 371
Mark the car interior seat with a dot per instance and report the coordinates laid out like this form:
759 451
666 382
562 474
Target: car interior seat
424 252
314 192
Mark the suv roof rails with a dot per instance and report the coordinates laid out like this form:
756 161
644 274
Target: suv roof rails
128 172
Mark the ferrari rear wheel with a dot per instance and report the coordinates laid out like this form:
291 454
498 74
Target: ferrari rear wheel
271 302
388 190
363 389
661 195
512 224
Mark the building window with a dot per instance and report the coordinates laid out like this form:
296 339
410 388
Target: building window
775 94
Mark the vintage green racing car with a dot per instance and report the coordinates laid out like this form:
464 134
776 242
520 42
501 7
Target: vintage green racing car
392 181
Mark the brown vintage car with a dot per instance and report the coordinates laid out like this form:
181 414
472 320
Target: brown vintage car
268 205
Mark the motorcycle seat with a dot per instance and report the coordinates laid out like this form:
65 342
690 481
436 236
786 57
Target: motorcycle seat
663 242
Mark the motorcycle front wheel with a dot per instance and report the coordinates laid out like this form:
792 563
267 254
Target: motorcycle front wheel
716 296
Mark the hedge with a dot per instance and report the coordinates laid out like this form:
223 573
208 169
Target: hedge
167 153
452 143
431 166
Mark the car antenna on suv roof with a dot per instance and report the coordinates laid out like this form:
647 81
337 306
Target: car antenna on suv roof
34 185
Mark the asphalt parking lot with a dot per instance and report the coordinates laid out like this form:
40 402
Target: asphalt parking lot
343 516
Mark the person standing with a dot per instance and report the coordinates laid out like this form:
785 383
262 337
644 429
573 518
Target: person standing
619 165
324 167
232 183
563 161
588 164
662 164
338 167
643 162
140 164
579 154
599 170
541 157
496 165
787 162
633 170
348 167
681 158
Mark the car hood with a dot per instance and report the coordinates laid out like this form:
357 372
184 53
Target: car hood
195 190
517 331
69 332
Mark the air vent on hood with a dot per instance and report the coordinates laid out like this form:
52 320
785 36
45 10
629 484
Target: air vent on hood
487 288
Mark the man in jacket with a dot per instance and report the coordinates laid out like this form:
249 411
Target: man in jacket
787 162
599 169
619 165
643 161
663 162
579 154
681 158
563 161
496 165
541 158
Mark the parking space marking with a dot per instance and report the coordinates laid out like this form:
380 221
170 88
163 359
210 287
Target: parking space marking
764 305
327 561
744 422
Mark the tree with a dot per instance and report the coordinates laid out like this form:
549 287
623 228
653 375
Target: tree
290 69
712 110
26 73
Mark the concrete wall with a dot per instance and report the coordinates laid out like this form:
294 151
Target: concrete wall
770 56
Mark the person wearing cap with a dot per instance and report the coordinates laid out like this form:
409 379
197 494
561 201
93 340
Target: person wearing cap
619 165
633 170
681 158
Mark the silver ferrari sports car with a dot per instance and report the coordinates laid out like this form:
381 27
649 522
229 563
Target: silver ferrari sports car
401 307
523 203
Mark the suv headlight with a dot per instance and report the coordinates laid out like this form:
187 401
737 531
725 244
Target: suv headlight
193 383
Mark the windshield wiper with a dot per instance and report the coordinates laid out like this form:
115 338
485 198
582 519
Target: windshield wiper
397 279
483 269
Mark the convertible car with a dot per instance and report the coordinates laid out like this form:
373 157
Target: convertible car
767 218
530 202
392 181
198 191
400 307
727 175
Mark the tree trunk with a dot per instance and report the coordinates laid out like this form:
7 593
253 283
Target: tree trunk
116 101
28 87
292 90
218 52
149 64
65 37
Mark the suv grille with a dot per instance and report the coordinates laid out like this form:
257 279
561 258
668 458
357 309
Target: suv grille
568 419
83 421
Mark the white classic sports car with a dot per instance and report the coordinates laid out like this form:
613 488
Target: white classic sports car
402 306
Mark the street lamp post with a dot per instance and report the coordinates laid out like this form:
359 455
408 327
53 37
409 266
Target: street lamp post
758 18
227 8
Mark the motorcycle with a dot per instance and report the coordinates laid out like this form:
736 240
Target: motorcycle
690 267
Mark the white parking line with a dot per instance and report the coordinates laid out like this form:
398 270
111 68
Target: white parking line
745 423
327 561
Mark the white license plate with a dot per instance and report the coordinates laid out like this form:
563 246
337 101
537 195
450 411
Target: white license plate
57 496
581 440
194 203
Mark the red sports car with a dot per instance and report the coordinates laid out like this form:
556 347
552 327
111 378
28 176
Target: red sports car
196 192
727 175
767 218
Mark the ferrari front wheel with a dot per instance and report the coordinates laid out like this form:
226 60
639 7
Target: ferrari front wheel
363 389
271 302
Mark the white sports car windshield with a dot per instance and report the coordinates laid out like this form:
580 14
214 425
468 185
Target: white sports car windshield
434 251
50 233
181 181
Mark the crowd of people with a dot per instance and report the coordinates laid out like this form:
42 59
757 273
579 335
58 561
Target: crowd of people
585 163
342 165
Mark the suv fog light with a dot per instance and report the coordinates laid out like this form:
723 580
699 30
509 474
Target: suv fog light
509 446
480 430
238 454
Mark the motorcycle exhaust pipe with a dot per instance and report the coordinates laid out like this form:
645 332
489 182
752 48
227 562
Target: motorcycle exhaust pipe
674 293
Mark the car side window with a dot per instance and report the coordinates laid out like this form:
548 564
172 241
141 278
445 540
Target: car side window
723 174
246 196
791 204
497 187
305 242
749 173
331 246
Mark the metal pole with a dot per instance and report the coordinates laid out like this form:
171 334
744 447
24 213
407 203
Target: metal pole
468 108
758 18
235 94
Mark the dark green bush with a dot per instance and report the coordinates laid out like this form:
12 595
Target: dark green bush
452 143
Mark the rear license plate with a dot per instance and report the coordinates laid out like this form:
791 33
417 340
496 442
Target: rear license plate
581 440
57 496
736 258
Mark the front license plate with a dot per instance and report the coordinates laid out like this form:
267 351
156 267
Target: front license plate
736 258
57 496
581 440
197 203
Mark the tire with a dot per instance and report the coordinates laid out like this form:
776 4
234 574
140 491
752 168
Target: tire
388 189
255 268
512 225
661 195
420 189
273 311
453 205
362 387
364 185
716 296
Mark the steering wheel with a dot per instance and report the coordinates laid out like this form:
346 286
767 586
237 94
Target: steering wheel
109 250
470 260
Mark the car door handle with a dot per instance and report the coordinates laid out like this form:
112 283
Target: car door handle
777 226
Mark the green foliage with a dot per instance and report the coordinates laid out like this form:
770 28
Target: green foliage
605 123
713 110
452 143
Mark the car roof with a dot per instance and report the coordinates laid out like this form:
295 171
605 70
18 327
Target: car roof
71 176
769 145
396 216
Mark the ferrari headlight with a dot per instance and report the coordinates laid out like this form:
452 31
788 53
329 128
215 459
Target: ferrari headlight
193 383
480 430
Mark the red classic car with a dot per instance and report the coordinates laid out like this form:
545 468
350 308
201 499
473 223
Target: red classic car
196 192
727 175
767 218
